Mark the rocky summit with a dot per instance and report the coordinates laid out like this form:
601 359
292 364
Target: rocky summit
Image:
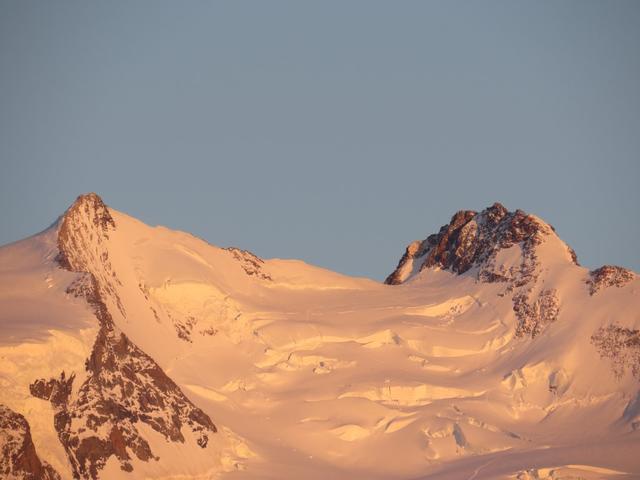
473 239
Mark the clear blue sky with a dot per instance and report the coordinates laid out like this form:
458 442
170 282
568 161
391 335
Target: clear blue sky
332 131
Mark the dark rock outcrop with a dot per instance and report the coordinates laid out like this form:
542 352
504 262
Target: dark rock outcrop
250 263
608 276
620 345
124 387
534 316
19 459
54 390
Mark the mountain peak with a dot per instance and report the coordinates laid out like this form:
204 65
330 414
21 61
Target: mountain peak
472 239
90 205
89 197
87 221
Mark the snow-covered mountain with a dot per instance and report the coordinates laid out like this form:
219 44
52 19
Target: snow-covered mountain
129 351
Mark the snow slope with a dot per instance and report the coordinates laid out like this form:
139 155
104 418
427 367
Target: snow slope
495 359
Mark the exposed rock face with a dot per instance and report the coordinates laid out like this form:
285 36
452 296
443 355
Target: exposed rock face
124 386
608 276
251 264
55 390
534 316
87 221
82 244
620 345
414 252
19 459
473 239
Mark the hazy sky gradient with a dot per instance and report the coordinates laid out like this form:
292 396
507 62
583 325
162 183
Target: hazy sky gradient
334 132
